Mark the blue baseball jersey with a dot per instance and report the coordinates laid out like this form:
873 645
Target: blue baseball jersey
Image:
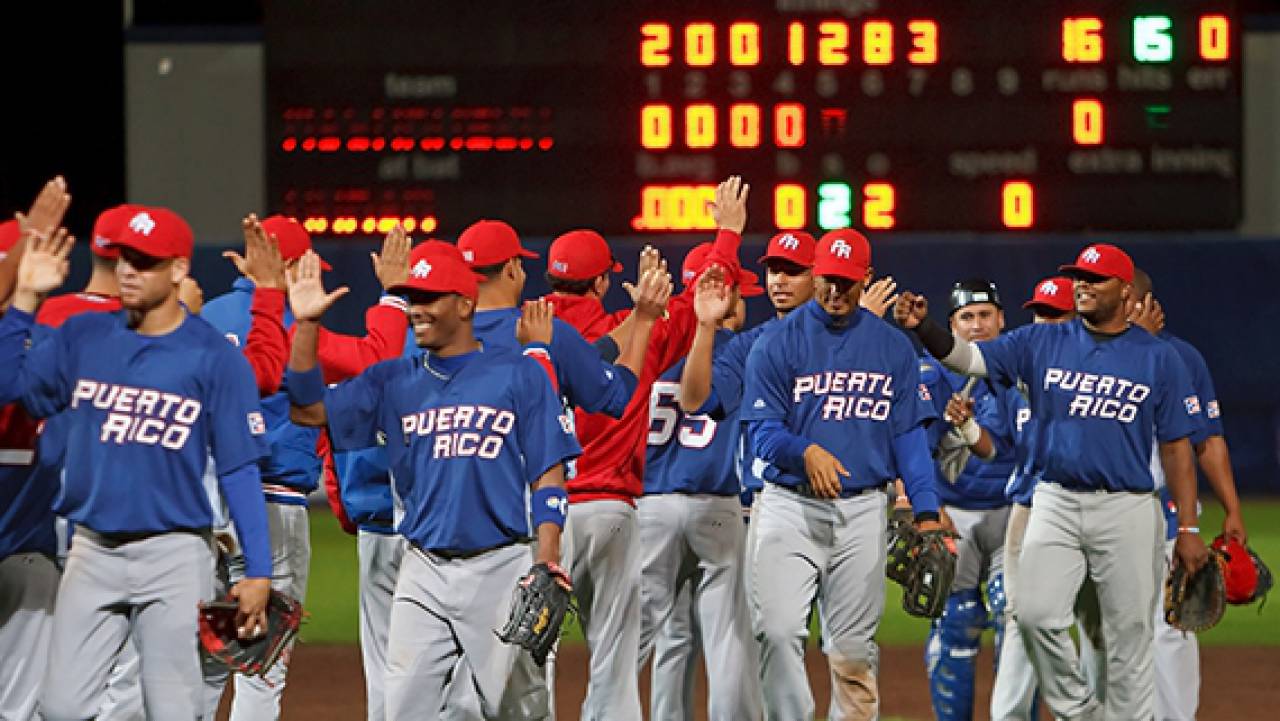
143 414
293 461
1212 426
29 478
981 484
465 438
689 453
1097 403
585 380
1022 481
728 379
851 389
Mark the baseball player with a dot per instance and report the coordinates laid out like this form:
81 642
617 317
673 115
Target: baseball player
835 412
1013 696
140 559
470 431
974 468
29 543
293 469
601 542
1099 391
1177 654
689 522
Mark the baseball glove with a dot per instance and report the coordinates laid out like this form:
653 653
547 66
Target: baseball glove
540 605
901 537
1196 602
930 573
220 642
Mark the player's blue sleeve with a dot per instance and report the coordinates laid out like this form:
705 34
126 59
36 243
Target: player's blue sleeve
912 400
1007 354
242 491
353 408
727 376
237 430
767 388
772 443
543 429
1178 413
36 375
587 380
1202 382
915 465
939 388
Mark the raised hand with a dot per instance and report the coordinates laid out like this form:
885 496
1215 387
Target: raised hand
730 206
711 300
535 324
261 262
47 210
959 410
306 291
878 296
45 263
650 260
652 293
910 309
1148 314
392 264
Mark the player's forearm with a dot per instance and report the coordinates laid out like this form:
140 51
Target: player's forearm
242 489
695 379
1180 474
1215 461
915 466
772 443
956 353
304 380
636 344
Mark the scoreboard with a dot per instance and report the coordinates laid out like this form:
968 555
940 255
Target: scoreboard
887 115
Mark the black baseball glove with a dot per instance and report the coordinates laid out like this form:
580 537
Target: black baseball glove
1196 602
901 538
542 600
930 573
220 641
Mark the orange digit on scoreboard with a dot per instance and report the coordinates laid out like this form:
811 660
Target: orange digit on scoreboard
833 43
744 125
655 127
877 42
655 46
1215 37
788 125
1086 122
699 44
700 125
924 42
1017 204
744 44
1082 40
879 203
789 207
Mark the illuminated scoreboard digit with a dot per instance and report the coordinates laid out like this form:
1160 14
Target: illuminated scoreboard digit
1059 115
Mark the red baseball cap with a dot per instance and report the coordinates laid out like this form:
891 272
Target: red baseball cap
489 242
1240 576
580 255
749 284
293 239
793 246
1102 259
1057 293
694 262
107 228
157 232
438 267
10 231
700 258
843 253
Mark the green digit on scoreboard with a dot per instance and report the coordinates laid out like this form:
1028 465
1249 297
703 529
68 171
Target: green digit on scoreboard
835 201
1152 42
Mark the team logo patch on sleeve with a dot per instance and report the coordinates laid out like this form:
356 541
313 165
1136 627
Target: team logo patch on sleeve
1193 405
257 426
1212 410
925 395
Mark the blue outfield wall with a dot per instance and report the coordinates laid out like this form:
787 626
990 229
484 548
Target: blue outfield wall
1219 292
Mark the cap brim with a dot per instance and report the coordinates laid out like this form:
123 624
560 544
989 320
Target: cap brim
149 252
1033 304
324 265
840 271
616 267
1073 271
526 253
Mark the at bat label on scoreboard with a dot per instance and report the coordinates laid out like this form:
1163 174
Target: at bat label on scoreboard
911 115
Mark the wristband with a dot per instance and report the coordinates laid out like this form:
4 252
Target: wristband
1189 529
970 432
549 505
305 387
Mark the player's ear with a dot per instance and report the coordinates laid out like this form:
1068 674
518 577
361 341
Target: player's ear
466 307
871 274
1000 319
180 268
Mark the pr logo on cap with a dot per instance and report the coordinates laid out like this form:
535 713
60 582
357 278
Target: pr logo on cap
1091 255
1048 288
560 266
142 223
841 249
421 269
789 241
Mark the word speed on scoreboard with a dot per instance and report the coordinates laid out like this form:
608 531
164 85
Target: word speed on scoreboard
913 115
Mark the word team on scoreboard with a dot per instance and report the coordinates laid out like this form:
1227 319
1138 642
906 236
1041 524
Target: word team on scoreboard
1058 115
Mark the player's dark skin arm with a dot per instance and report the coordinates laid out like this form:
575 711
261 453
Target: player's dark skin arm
549 533
1176 456
1215 461
302 358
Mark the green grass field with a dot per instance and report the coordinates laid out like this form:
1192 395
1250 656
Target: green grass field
332 602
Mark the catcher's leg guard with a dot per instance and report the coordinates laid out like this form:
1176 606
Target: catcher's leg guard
951 654
996 601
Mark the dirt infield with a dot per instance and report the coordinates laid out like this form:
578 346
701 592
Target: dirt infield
325 683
